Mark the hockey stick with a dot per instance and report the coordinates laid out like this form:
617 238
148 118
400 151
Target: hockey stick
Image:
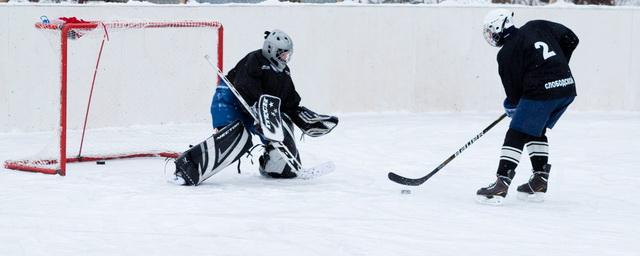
291 160
416 182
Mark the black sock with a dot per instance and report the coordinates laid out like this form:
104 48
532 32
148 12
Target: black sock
538 148
511 151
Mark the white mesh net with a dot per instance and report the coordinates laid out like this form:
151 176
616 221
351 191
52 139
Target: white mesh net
134 78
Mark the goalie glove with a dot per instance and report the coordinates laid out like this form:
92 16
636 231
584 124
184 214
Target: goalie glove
312 123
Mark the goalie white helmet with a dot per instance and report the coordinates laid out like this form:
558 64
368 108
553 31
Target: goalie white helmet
277 48
494 25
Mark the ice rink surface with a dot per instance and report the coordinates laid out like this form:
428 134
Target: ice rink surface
127 208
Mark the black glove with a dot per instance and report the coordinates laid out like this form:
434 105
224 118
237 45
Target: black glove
312 123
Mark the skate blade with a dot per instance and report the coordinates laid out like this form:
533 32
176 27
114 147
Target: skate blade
176 180
537 197
495 201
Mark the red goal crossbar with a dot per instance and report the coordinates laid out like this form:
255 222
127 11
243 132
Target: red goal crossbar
65 29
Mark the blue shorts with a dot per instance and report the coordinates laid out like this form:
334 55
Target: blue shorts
225 109
533 117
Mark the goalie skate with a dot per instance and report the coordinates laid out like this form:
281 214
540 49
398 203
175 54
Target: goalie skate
176 179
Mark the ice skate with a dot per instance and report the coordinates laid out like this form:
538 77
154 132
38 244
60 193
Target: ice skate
495 193
534 190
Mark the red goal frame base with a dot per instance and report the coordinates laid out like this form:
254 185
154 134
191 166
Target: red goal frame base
31 165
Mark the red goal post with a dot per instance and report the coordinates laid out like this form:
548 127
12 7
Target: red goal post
67 32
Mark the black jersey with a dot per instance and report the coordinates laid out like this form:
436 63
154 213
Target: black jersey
253 76
534 62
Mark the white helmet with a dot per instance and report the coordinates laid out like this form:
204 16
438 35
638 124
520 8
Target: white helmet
495 24
277 48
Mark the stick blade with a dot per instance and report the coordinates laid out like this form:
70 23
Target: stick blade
404 180
316 171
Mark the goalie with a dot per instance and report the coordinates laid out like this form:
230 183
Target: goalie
262 78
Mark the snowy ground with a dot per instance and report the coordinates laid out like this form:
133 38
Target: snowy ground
127 208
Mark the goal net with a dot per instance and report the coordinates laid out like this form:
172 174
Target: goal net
114 86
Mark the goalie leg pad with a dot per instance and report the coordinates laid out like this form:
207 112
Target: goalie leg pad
214 154
272 164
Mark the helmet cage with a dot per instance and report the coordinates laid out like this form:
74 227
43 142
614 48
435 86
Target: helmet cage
283 55
495 24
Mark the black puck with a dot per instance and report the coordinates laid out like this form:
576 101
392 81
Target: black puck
100 162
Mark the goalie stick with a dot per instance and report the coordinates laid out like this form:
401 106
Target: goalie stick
416 182
292 161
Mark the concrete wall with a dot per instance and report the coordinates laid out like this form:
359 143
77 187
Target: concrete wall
347 58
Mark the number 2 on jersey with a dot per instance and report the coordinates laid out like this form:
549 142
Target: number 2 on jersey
545 50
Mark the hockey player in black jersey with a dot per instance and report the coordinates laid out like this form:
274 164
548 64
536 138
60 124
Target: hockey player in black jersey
533 64
262 78
265 72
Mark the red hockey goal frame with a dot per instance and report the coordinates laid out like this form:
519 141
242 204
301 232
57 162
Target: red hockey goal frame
65 29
